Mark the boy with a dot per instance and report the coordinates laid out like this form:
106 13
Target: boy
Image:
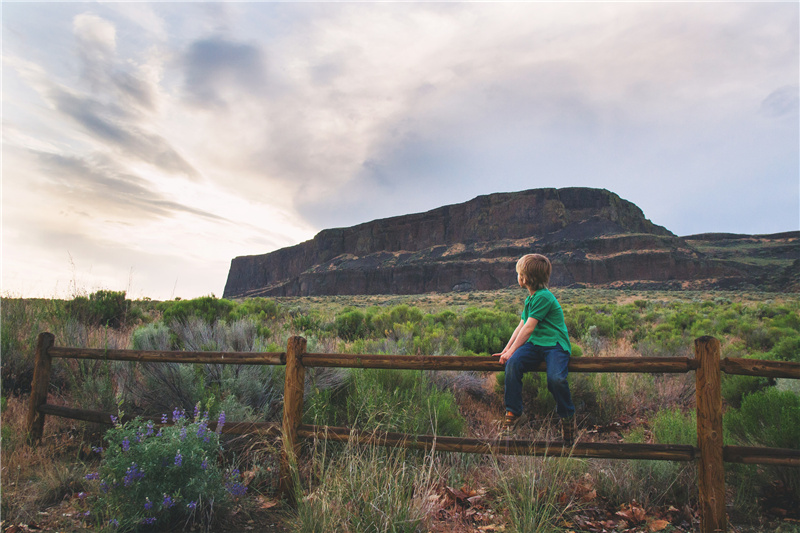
540 336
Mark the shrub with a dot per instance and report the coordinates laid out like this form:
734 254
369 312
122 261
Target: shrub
768 418
163 476
103 308
208 308
351 324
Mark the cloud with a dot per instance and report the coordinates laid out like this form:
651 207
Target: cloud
782 102
102 187
215 65
114 125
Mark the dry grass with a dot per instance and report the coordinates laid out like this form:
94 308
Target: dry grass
39 476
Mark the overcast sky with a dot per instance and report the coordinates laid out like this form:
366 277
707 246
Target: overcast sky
147 144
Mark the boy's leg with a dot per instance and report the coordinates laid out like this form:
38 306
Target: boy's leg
557 372
523 360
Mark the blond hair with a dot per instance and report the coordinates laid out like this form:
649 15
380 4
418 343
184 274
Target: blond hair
535 271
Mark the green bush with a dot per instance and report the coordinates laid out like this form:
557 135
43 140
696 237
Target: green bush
207 308
391 400
787 348
103 308
770 417
160 477
351 324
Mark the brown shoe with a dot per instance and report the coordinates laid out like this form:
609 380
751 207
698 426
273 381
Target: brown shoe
511 421
568 430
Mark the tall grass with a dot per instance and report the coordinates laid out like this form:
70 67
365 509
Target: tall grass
365 488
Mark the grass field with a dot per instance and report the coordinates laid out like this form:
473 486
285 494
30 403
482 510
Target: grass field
345 486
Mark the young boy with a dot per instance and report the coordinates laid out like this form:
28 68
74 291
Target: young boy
540 336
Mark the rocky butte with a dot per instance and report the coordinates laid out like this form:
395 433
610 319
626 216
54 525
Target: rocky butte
592 236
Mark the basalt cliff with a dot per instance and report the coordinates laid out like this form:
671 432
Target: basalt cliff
592 236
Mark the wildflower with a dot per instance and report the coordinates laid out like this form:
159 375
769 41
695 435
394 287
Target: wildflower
104 487
87 513
178 459
164 419
236 489
114 420
168 501
204 464
149 429
196 410
183 433
97 449
132 474
160 432
202 427
176 415
113 522
81 495
126 444
220 422
192 505
150 520
148 504
93 475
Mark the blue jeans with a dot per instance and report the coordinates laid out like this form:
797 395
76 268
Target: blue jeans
525 359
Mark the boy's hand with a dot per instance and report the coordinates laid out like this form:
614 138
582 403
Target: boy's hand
503 356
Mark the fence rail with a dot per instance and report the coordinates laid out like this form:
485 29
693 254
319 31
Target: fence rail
710 452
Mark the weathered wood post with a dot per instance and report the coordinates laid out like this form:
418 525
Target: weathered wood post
711 470
292 415
42 363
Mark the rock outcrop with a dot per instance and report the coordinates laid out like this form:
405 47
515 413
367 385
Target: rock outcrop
592 236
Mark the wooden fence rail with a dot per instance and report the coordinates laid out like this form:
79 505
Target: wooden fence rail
710 452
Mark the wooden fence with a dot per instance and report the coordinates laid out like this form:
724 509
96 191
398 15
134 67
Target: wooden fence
710 452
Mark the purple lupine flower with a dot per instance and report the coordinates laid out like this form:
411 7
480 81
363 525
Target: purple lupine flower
183 433
114 420
202 427
177 415
204 464
139 435
132 474
81 495
168 501
149 428
113 522
126 444
164 418
104 487
150 520
192 505
97 449
236 489
148 504
220 422
93 475
196 410
87 513
160 432
178 458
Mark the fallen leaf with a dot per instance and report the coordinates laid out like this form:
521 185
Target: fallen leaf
657 525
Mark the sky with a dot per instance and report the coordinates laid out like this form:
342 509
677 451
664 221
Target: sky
145 145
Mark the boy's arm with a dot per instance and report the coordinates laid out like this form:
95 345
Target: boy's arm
521 335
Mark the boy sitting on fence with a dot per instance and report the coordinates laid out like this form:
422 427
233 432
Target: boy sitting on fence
540 336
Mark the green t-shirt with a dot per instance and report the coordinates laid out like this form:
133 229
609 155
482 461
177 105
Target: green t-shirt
551 329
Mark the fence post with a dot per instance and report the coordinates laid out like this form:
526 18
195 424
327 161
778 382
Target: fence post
711 470
42 362
292 415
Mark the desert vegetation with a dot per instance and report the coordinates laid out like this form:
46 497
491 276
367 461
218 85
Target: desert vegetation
200 477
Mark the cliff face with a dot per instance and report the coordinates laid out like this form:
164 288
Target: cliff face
592 236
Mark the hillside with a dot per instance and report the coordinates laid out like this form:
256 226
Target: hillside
592 236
